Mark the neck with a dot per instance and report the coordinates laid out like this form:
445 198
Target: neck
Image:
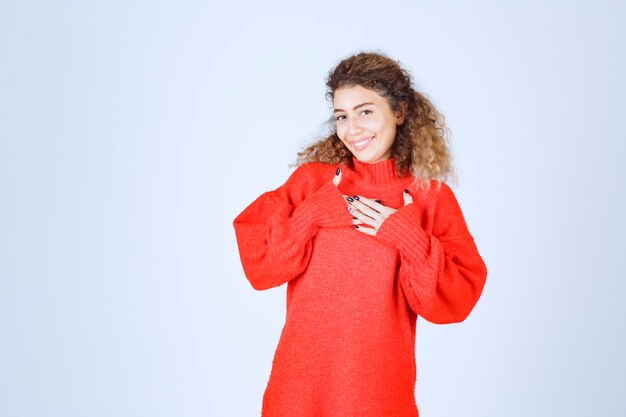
377 173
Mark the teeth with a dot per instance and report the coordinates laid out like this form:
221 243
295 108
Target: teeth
362 143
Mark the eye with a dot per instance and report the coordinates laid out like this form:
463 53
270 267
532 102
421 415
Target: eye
366 111
339 117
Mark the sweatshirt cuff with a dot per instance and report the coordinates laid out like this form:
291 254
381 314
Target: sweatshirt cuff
325 207
402 230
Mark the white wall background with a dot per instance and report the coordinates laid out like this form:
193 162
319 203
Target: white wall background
132 133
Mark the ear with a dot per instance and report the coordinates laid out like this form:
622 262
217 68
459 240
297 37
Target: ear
401 113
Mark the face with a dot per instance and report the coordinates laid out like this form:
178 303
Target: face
366 123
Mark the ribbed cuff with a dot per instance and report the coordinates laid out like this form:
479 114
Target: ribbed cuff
325 207
402 230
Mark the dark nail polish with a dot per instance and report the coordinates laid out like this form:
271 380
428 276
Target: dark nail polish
350 199
356 197
378 201
406 191
338 171
355 226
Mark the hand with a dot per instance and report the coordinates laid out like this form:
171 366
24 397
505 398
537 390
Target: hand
370 214
337 181
337 177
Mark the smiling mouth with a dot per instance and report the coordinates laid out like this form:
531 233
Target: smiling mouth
362 144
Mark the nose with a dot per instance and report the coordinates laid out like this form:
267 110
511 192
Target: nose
353 126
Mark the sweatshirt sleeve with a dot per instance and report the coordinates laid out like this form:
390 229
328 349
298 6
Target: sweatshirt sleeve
275 232
442 273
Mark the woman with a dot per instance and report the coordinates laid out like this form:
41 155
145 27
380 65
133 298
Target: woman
368 236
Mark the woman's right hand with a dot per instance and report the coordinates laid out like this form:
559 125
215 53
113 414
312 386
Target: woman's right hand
337 181
337 178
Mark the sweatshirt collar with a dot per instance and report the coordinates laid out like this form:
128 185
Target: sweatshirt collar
376 173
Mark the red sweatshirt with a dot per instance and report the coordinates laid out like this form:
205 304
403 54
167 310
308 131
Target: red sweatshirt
348 344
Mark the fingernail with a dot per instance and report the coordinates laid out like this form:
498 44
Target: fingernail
378 201
350 209
355 226
338 171
356 197
350 199
406 191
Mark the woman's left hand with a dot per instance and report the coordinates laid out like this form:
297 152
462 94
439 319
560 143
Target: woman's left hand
370 214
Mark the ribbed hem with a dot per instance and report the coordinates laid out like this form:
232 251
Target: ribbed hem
377 173
325 207
402 230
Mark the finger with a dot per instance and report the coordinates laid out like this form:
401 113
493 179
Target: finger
365 209
408 199
337 177
377 205
367 230
365 219
357 221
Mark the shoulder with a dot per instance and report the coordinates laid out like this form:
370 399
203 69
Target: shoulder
311 174
435 194
439 203
449 221
443 192
440 195
306 179
314 168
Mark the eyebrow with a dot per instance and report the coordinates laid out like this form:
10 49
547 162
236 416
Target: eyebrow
354 108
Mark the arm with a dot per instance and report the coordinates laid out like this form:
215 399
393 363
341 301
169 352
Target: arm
275 233
442 274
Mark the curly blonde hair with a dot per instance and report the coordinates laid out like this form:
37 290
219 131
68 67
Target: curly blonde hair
421 146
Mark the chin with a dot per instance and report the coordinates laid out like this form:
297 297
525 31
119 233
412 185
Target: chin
368 159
